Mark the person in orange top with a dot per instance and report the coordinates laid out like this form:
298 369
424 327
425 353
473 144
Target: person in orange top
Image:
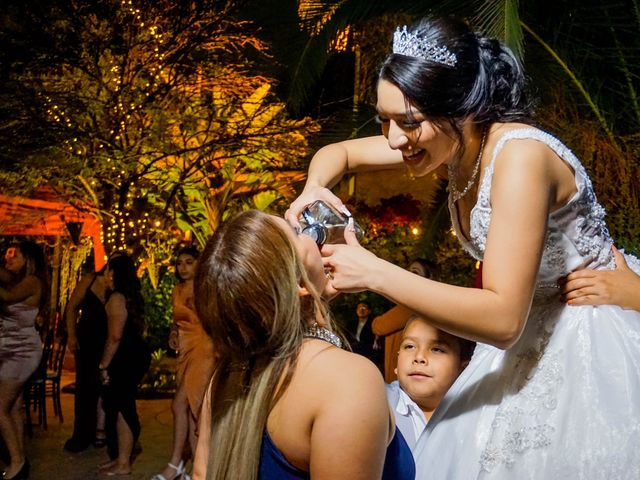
391 324
195 364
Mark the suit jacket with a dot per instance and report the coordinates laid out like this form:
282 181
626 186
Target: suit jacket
364 346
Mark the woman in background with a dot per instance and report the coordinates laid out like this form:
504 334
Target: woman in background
87 329
125 360
22 296
195 364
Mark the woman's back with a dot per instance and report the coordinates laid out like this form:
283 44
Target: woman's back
322 411
332 422
332 395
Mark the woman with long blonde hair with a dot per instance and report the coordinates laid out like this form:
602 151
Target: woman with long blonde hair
285 402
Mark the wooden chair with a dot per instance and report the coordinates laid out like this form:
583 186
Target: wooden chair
54 373
45 382
34 394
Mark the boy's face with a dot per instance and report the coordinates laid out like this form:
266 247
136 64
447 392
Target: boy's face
428 363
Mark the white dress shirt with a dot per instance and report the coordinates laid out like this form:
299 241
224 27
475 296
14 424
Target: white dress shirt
410 418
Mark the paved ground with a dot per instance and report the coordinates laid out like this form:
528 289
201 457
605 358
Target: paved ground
50 462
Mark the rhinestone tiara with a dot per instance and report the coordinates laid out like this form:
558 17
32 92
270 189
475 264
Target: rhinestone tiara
412 45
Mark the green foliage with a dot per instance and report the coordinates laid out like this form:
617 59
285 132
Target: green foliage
156 116
160 379
456 266
389 226
158 310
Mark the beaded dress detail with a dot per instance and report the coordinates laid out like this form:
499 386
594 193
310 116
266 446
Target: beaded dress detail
564 402
321 333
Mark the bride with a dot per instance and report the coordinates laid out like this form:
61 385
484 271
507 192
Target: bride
553 390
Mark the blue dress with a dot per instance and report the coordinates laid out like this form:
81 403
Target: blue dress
398 462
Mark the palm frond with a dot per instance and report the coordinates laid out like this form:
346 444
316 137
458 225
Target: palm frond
576 81
314 54
501 19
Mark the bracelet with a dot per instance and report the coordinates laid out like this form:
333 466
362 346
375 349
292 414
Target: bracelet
100 367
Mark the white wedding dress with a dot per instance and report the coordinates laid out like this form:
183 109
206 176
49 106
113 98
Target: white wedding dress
564 402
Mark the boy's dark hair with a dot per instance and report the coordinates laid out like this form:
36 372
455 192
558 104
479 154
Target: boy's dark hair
466 348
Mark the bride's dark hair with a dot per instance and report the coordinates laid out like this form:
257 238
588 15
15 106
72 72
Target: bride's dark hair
487 83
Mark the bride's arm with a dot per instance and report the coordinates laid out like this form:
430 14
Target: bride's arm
332 161
521 194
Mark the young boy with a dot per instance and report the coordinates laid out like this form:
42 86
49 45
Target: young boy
429 361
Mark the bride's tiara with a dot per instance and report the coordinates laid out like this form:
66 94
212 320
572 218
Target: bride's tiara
412 45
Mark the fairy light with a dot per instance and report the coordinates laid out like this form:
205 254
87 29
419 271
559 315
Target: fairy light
341 42
124 107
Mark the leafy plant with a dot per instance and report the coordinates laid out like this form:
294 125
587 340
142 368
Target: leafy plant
160 379
158 310
154 115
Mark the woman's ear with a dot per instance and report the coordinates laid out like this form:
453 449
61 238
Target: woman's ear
302 291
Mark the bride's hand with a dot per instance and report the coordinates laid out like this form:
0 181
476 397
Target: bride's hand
308 196
351 266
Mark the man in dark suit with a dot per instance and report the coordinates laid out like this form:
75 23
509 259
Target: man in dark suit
361 337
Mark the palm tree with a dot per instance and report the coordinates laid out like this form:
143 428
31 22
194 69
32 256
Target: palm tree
581 56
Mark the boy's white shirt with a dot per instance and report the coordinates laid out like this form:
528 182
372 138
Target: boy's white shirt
410 419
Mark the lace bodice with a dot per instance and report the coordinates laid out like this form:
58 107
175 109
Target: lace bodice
577 235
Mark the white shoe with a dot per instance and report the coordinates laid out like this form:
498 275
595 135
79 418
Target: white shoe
180 473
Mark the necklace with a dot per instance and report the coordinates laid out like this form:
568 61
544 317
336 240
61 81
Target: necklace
321 333
453 174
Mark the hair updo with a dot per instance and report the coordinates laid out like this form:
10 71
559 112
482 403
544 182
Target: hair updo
486 85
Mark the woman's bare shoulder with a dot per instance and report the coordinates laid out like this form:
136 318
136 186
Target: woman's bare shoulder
329 382
337 368
116 300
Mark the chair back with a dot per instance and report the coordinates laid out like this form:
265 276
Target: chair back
47 353
57 356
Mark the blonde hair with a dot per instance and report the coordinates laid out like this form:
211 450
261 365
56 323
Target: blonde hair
247 297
